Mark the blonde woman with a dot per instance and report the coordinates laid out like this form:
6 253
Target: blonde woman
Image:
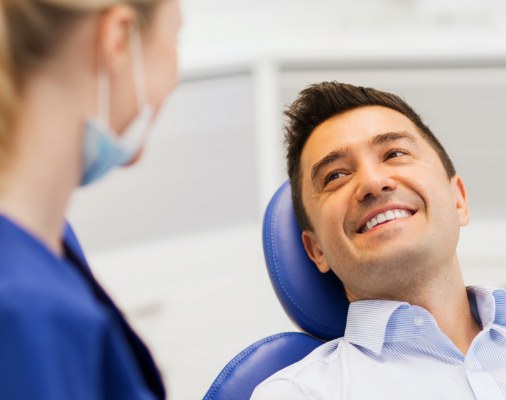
81 82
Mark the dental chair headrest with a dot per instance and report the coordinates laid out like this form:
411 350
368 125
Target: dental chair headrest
316 302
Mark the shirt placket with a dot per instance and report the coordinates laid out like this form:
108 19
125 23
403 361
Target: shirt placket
482 383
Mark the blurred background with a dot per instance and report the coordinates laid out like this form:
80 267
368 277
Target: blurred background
177 238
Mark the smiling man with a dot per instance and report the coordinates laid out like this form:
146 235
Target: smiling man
381 206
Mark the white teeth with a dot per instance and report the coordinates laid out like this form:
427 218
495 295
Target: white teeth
386 216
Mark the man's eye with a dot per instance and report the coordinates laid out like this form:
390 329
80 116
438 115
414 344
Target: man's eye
333 176
395 153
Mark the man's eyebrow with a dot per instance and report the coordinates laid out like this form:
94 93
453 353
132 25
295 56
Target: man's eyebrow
328 159
377 140
388 137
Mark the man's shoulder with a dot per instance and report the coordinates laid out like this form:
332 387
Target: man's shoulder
295 381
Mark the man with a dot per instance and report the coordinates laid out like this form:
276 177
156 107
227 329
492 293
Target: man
380 205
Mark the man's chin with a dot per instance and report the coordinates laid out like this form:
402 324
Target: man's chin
392 261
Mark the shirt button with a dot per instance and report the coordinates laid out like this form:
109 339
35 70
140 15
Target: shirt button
418 321
472 366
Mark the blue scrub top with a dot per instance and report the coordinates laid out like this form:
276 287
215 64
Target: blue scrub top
61 336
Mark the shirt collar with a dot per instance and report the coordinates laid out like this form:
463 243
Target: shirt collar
488 305
367 322
371 323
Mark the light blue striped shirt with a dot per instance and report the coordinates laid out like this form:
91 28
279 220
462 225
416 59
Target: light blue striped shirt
393 350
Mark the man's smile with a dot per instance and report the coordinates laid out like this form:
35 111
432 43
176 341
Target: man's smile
383 216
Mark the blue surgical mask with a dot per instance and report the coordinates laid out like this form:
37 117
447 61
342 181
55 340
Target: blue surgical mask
104 149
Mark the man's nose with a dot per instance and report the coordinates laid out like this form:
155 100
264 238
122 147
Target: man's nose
373 181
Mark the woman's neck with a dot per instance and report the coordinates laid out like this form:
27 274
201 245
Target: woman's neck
44 164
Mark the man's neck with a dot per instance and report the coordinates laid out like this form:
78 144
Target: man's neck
444 295
449 305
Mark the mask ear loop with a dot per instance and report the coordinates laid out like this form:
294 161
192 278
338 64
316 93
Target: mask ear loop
138 67
103 92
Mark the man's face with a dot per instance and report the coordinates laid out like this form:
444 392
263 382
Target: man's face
386 216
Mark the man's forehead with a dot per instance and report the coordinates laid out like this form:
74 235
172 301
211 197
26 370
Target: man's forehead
357 127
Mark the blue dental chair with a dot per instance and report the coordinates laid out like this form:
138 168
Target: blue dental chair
316 302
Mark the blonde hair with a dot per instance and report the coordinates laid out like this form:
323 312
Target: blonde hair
29 31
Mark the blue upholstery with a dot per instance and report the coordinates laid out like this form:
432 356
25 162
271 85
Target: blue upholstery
250 367
316 302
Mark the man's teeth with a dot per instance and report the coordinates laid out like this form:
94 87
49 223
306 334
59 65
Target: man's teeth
386 216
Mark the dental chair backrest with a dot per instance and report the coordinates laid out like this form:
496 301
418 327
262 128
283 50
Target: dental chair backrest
314 301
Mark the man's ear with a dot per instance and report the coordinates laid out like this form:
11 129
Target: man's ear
460 193
314 251
114 30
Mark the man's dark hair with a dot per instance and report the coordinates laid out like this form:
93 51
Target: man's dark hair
316 104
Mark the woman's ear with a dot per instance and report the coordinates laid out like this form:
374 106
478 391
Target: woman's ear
460 193
314 251
114 34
